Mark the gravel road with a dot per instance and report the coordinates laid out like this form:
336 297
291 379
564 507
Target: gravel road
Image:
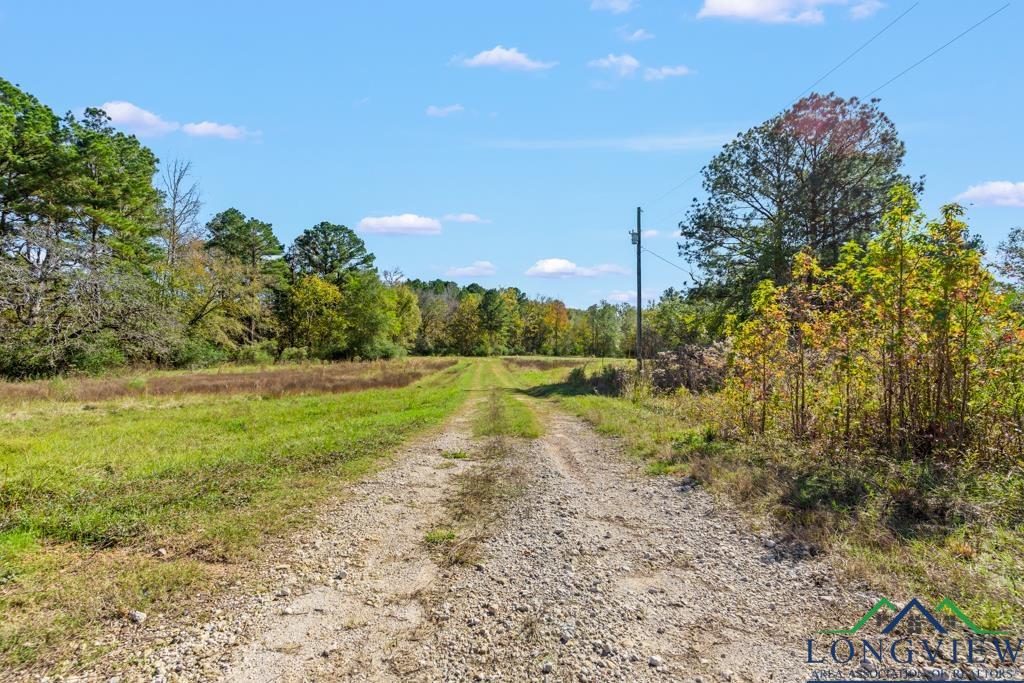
592 571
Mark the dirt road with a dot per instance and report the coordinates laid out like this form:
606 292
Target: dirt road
587 570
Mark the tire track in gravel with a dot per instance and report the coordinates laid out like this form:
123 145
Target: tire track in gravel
352 626
601 573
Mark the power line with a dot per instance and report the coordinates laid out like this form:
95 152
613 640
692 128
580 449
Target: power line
854 53
938 50
671 215
883 85
688 179
829 73
674 265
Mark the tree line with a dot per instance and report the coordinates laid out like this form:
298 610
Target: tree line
104 263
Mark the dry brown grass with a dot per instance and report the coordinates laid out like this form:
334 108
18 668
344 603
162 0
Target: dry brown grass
543 363
275 381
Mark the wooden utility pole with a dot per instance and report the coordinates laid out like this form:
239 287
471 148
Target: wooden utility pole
639 296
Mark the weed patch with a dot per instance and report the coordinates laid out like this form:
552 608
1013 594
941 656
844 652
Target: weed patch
440 536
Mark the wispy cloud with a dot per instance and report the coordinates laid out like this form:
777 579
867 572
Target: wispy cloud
663 72
613 6
767 11
994 193
651 233
478 269
136 120
446 110
403 224
504 58
865 9
463 218
640 143
209 129
623 65
564 268
636 36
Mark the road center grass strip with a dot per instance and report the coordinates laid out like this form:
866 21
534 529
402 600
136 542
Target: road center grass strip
504 413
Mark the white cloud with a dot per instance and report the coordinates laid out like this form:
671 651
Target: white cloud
404 224
651 233
505 58
767 11
623 65
613 6
446 110
145 123
637 36
209 129
995 193
865 9
463 218
663 72
478 269
643 143
563 268
137 120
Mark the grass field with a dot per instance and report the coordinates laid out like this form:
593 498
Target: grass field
123 504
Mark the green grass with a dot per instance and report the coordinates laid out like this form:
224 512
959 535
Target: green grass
89 493
454 455
506 412
439 536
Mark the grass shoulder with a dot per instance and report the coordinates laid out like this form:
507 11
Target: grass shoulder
124 505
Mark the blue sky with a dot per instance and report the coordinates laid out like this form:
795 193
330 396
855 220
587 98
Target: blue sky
517 138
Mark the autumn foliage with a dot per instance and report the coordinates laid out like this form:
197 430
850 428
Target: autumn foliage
907 346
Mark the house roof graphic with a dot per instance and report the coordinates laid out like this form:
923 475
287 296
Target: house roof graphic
914 604
946 605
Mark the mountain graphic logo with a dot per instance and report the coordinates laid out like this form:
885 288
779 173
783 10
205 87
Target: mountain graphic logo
915 609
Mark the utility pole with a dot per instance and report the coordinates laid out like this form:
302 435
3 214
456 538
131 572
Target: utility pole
639 296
